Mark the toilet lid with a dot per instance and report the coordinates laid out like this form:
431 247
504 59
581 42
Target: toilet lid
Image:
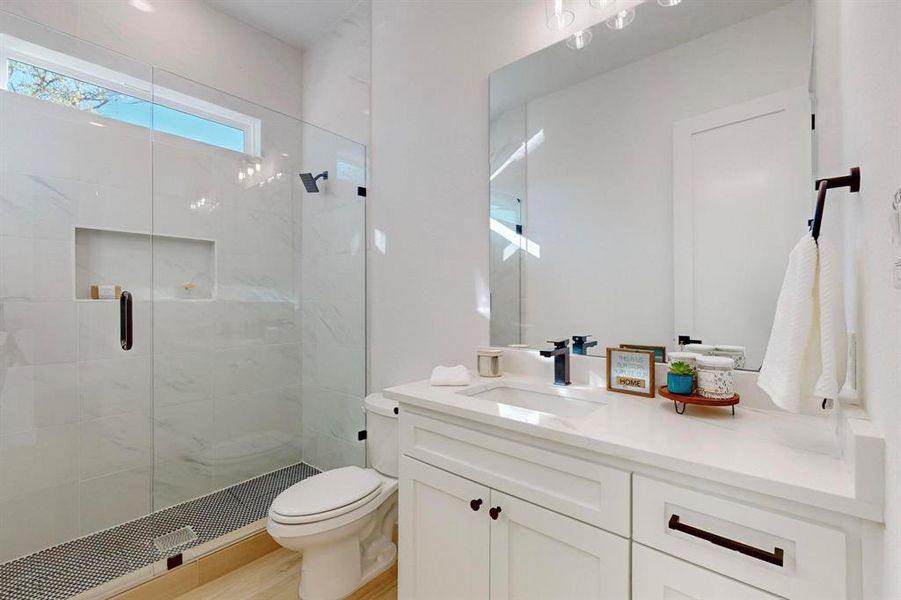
326 495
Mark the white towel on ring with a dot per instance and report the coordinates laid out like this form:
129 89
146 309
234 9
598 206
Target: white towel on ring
833 338
805 359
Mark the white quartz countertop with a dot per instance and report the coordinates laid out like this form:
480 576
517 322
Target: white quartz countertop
788 456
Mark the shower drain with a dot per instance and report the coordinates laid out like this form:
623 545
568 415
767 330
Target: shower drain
174 539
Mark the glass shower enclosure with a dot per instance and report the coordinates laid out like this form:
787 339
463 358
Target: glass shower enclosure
178 314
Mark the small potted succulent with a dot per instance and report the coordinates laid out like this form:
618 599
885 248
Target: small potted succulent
680 379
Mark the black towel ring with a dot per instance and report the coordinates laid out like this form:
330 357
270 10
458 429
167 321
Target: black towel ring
852 182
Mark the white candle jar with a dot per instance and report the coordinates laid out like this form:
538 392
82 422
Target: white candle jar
489 362
716 379
690 358
736 353
702 349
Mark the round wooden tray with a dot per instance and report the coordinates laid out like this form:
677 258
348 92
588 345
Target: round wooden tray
687 399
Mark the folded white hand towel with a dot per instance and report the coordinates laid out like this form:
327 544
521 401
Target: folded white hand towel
442 375
806 355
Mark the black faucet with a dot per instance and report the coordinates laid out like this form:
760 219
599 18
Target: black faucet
686 339
561 361
581 344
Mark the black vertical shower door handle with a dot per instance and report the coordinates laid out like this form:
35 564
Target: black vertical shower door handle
126 321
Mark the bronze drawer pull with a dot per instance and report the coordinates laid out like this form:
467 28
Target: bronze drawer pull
776 557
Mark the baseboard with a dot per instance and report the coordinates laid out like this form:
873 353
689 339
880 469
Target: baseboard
208 564
378 586
203 569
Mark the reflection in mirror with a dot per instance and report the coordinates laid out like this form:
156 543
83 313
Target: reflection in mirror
652 183
507 185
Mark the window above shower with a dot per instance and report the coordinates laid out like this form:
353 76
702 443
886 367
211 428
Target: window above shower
32 70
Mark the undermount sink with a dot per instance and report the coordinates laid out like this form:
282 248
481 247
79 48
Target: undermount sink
561 402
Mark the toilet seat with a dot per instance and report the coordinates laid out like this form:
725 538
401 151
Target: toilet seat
325 496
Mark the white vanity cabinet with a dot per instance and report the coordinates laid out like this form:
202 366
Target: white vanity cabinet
465 540
489 512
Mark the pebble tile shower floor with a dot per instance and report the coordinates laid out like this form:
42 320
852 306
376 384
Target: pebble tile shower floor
74 567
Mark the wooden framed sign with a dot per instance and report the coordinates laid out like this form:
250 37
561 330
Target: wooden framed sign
659 351
631 371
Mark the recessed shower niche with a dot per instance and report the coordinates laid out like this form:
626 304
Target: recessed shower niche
182 268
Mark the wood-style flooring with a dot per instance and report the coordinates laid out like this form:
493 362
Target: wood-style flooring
276 576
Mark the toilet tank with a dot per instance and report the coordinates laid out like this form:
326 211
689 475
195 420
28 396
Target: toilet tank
381 434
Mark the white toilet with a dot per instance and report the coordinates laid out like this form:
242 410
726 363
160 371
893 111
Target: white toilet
343 520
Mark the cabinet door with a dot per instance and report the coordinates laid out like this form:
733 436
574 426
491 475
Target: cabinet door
537 553
659 576
443 535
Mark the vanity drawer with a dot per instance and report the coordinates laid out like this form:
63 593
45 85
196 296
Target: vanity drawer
589 492
776 552
659 576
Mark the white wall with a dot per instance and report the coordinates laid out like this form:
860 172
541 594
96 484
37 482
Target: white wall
602 183
336 76
186 37
428 288
858 86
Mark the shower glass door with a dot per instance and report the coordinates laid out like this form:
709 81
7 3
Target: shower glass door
75 233
258 312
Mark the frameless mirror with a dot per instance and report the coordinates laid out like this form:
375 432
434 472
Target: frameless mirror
651 184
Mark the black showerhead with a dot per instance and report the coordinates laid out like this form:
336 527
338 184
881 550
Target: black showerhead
309 181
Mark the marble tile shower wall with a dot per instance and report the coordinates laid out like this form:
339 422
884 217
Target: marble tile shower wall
216 389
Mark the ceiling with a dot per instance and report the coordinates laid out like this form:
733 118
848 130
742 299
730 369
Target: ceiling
295 22
654 30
